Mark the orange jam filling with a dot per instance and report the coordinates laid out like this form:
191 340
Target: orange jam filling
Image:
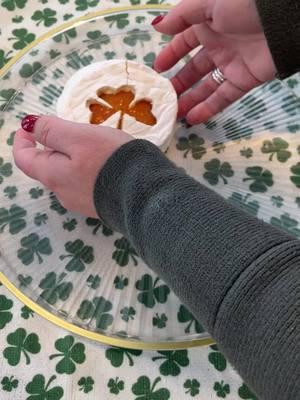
120 100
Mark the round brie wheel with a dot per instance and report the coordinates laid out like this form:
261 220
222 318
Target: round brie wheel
87 85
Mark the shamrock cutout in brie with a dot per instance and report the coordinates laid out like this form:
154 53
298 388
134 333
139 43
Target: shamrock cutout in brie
120 100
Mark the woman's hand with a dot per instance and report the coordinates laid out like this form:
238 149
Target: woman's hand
73 156
233 40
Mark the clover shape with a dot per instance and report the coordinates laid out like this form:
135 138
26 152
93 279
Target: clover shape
120 100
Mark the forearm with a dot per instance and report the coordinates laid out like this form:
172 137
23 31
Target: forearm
226 266
281 23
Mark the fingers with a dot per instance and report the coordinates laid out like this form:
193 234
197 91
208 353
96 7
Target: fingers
42 165
180 46
198 67
212 101
185 14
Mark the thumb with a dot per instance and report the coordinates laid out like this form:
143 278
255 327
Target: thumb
185 14
56 133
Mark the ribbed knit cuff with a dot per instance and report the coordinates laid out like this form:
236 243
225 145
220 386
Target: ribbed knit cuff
281 23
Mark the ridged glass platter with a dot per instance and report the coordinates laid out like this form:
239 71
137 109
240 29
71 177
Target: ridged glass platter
75 271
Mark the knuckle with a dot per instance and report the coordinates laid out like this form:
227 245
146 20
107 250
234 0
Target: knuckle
46 129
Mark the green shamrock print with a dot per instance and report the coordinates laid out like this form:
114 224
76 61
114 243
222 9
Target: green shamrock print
149 59
72 353
9 99
26 312
290 104
50 94
17 19
11 5
234 131
96 39
254 107
245 393
295 178
173 361
135 36
262 179
185 316
58 73
274 86
77 61
217 359
124 252
5 170
22 38
144 391
24 280
13 218
99 309
160 321
121 20
93 281
10 140
221 389
110 55
286 223
10 192
277 201
8 384
68 16
40 219
79 254
54 53
130 56
82 5
54 288
97 224
193 144
244 203
116 356
120 282
292 83
215 170
5 315
115 386
86 384
127 313
247 153
150 292
192 386
38 389
293 128
277 146
21 343
4 57
28 70
32 245
66 36
47 16
70 224
35 193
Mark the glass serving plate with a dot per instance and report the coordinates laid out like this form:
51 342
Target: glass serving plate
76 272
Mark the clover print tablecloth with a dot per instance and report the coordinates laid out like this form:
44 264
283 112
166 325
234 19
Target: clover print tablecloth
40 361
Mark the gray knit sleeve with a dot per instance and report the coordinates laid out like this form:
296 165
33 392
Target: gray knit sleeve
240 277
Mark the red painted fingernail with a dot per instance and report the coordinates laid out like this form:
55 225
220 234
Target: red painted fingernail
28 122
158 19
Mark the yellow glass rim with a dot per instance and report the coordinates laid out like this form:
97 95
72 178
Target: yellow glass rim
94 336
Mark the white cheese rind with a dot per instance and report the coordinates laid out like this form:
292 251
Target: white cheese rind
147 84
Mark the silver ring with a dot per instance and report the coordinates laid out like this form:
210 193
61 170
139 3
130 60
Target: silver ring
218 76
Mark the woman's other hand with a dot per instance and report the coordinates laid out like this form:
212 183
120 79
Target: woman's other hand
233 40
